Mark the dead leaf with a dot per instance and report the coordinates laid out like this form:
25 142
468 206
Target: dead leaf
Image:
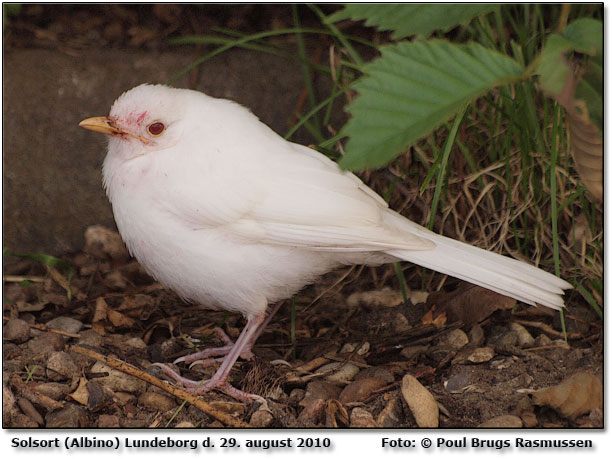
577 395
119 320
469 304
335 413
428 318
99 310
138 306
422 404
587 148
81 394
102 312
587 145
104 243
65 283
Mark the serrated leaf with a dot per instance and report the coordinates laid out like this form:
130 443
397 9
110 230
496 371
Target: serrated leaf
405 20
413 88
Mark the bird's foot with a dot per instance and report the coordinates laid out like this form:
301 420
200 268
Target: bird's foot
201 387
200 358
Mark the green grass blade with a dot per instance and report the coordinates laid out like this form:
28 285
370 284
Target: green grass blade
450 140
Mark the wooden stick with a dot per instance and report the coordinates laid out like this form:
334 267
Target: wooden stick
548 329
180 393
54 330
50 330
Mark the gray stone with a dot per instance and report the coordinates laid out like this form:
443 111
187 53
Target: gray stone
46 343
155 401
16 330
69 417
52 168
60 366
65 323
53 390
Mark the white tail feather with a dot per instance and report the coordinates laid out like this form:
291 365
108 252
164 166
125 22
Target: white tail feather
495 272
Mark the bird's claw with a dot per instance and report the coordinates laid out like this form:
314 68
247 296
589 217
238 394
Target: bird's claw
201 387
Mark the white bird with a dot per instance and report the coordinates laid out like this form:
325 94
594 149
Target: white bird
219 208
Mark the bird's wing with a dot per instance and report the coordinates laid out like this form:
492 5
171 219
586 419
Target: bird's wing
311 203
285 194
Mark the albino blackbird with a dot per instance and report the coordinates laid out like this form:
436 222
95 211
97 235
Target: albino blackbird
228 214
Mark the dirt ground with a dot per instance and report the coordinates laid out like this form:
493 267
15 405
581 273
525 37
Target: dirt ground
346 366
357 355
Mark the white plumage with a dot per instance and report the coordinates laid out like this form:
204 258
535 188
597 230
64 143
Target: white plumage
227 213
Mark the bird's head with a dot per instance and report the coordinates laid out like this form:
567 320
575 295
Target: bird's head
143 120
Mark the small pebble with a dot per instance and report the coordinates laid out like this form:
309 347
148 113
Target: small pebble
46 343
69 417
136 343
411 352
29 410
359 390
90 338
53 390
524 337
342 372
66 324
481 355
319 390
542 341
108 421
262 418
60 366
455 340
16 330
117 380
376 372
457 383
155 401
422 404
362 418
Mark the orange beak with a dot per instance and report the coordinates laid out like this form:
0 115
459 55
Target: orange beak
105 125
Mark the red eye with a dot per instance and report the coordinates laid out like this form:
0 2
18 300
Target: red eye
156 128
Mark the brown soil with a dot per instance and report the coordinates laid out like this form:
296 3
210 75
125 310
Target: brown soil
122 313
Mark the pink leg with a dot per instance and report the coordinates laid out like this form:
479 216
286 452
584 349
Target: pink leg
246 354
243 345
210 351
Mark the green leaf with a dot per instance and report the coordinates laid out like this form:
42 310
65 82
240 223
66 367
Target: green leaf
586 34
405 20
413 88
552 68
583 35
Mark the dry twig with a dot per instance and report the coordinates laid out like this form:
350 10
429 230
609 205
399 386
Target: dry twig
180 393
